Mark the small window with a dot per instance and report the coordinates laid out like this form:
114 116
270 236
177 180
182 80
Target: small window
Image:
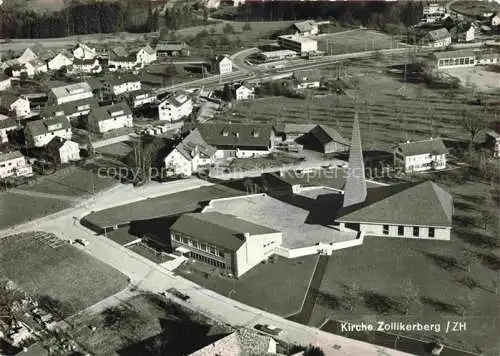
212 250
416 231
431 232
203 246
194 243
221 254
401 230
385 229
185 240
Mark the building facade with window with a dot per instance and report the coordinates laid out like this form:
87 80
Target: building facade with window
452 59
68 93
14 164
39 133
224 241
298 44
110 117
420 156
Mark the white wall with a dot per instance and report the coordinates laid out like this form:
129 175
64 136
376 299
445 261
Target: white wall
59 61
251 153
42 140
126 87
169 112
255 249
225 66
114 123
179 163
70 151
5 84
21 107
17 166
440 233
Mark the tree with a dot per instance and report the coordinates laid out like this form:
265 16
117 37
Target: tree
411 293
312 350
489 215
467 257
352 296
228 29
473 125
9 296
59 309
247 27
227 93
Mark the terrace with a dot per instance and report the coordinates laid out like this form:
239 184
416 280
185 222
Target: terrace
303 218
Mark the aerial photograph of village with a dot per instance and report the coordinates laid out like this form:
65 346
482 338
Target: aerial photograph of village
249 177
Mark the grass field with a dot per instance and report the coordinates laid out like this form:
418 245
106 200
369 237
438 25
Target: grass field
64 273
278 287
172 204
149 318
71 181
474 7
16 209
381 268
385 116
355 41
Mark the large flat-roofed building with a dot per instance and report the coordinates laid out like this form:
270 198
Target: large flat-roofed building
302 45
453 59
68 93
224 241
277 55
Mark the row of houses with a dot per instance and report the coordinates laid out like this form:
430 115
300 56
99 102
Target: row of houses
464 58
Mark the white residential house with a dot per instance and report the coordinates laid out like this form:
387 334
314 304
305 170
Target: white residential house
439 38
68 93
62 59
120 59
495 20
492 142
63 151
6 124
87 66
14 164
222 65
146 55
418 156
212 4
245 92
11 103
463 32
40 132
305 28
82 51
124 84
26 56
189 155
28 69
140 98
111 117
433 13
5 82
175 108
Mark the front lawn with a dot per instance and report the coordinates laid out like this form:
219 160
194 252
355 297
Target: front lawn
278 287
63 273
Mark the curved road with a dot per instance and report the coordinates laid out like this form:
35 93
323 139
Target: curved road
148 276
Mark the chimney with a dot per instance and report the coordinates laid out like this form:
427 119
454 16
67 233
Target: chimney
255 133
237 134
225 132
246 235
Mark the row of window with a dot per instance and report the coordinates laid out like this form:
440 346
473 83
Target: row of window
456 61
416 231
203 246
207 260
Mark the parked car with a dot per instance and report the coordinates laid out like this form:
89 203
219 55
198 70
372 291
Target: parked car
269 329
82 242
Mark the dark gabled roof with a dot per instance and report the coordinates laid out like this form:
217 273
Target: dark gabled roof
222 230
148 49
124 78
439 34
40 127
103 113
42 52
78 61
55 144
171 46
433 146
424 203
7 156
121 54
7 123
236 135
97 83
304 26
193 142
7 99
326 134
67 108
455 54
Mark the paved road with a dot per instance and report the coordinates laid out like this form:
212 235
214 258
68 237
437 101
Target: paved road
148 276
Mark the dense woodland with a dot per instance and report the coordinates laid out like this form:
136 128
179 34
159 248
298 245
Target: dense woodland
79 18
374 13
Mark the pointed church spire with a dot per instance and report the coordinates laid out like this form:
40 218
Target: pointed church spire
355 186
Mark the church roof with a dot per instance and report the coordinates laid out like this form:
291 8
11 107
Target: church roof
355 186
424 203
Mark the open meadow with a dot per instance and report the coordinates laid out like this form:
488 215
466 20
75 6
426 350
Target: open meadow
42 264
446 280
278 288
386 115
356 41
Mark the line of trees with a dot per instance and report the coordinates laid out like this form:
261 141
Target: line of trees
361 12
78 19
